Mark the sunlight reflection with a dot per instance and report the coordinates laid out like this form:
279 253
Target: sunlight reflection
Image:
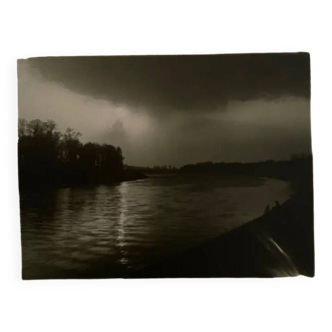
63 202
123 189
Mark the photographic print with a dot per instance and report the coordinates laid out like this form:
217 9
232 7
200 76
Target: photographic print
177 166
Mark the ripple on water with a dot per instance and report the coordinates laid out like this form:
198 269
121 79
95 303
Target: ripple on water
133 223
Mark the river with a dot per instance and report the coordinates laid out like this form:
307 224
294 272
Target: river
110 230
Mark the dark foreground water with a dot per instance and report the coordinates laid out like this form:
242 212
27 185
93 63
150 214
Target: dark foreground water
110 230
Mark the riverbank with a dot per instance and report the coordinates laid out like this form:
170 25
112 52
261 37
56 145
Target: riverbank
126 175
277 244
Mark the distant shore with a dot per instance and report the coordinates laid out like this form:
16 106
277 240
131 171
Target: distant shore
277 244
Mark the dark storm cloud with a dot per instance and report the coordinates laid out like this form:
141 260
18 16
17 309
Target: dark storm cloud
176 110
173 83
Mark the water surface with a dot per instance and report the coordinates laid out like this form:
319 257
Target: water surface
109 230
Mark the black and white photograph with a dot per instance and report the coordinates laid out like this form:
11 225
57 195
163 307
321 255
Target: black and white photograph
191 166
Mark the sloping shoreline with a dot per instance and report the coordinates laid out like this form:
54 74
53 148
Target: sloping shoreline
280 243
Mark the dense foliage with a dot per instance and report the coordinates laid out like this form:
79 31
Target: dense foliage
48 157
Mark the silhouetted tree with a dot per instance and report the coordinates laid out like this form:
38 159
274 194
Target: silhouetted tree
71 147
47 157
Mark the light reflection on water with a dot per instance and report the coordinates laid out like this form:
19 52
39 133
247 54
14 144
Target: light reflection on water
128 225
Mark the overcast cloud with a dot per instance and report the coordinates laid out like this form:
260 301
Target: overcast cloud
176 110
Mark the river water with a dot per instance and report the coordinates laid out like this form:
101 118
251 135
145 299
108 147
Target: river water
110 230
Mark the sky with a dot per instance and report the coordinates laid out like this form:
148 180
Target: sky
176 110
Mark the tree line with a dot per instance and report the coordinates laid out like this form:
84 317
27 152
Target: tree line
297 170
48 157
